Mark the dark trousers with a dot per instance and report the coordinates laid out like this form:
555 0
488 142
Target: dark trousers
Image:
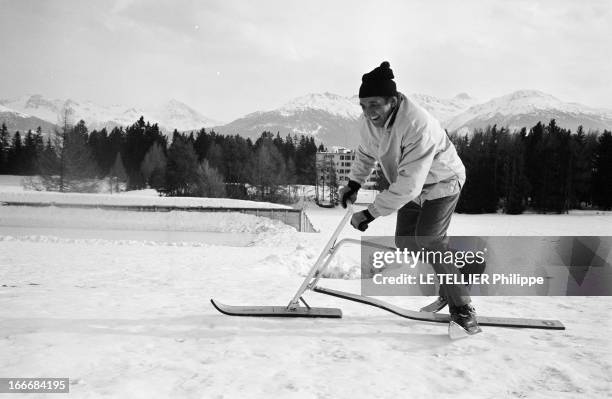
425 226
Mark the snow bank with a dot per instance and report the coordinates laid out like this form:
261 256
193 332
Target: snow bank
300 260
96 241
11 183
131 200
11 190
223 222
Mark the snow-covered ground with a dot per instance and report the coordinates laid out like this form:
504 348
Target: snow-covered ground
127 314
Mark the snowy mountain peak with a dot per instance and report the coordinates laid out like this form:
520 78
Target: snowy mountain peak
132 111
173 103
534 96
528 93
37 101
463 96
329 102
442 108
523 101
4 109
72 102
182 116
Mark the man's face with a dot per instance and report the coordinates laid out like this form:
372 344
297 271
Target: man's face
377 109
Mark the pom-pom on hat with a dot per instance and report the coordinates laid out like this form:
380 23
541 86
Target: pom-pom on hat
378 82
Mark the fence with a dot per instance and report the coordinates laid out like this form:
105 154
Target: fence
293 217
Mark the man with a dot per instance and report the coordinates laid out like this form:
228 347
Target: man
425 175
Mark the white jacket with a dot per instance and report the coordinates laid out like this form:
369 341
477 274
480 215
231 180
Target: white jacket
415 154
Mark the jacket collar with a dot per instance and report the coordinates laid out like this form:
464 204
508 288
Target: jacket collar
391 119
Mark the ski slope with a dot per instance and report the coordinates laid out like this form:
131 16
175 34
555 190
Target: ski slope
128 316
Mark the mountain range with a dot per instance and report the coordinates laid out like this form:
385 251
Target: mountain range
525 108
333 119
329 117
169 116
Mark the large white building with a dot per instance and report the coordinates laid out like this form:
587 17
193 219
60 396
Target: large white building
342 159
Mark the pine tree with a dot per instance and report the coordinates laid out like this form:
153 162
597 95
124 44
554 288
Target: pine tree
211 181
117 174
556 165
602 177
201 143
29 154
235 165
4 149
332 183
583 148
98 143
214 156
535 159
68 163
320 181
116 143
291 171
182 177
40 147
268 170
16 155
516 179
479 195
138 138
153 166
263 170
305 160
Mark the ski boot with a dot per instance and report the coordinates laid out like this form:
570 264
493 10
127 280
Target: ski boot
463 321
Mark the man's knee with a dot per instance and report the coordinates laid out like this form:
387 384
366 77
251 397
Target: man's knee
406 242
431 242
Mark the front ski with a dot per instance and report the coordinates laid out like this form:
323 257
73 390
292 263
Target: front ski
276 311
443 318
456 331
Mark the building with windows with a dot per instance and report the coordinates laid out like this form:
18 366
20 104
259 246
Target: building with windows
340 159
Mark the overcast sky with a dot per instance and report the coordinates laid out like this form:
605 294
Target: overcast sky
227 58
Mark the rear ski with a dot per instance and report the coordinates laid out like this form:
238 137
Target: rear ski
436 306
443 318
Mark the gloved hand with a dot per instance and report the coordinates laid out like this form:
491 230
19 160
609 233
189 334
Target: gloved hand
349 192
360 220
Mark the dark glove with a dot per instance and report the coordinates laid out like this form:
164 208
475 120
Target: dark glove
360 220
349 192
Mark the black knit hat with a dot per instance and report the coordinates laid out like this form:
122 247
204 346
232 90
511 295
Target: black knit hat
378 82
